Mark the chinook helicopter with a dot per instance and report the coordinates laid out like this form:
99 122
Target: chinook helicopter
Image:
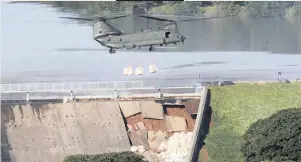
113 38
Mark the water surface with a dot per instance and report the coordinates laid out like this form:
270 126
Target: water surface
40 47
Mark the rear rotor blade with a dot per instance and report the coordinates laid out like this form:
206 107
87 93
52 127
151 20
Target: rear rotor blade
100 18
154 18
201 18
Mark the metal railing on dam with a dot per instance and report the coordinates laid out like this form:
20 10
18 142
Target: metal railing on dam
80 86
37 91
67 87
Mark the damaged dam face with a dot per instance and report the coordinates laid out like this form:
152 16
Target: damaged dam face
49 132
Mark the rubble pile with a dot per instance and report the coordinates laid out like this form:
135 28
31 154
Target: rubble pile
176 148
173 149
159 133
140 149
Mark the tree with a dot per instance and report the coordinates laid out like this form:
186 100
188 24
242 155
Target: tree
277 138
106 157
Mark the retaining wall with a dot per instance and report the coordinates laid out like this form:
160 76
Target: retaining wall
49 132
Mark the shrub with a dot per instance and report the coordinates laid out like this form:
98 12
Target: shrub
294 11
277 138
107 157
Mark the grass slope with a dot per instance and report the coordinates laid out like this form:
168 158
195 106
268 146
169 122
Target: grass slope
236 107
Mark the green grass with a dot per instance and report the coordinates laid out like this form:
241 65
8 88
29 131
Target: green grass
209 10
164 9
237 107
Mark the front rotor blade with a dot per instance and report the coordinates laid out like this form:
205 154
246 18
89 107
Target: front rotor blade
154 18
78 18
75 49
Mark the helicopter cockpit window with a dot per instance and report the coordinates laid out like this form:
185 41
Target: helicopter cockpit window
167 34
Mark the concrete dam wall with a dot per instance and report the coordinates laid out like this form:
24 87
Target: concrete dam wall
48 132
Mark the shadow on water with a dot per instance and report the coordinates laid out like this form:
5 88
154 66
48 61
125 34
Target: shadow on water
194 65
290 65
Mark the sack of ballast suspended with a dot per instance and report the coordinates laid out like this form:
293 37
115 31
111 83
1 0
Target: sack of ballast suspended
130 70
139 70
155 67
152 68
125 71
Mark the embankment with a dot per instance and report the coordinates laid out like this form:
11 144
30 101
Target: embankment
236 107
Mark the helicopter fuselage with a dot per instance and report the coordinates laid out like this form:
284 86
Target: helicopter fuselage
138 39
111 37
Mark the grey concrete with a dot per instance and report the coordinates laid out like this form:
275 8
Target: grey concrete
198 132
192 106
50 132
45 131
129 108
151 109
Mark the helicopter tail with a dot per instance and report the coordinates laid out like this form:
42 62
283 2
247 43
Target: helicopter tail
100 27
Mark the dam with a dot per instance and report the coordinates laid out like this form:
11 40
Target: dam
47 129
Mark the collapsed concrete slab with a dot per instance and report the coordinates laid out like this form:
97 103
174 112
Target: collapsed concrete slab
140 125
140 138
175 123
155 138
129 108
192 106
151 109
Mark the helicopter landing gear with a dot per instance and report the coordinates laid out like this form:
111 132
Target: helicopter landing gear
112 51
152 48
182 39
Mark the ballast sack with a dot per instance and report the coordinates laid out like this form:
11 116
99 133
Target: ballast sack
139 70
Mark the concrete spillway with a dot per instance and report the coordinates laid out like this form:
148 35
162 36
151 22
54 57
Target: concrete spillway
48 132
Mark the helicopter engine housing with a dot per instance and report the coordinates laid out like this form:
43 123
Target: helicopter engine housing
103 29
97 30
